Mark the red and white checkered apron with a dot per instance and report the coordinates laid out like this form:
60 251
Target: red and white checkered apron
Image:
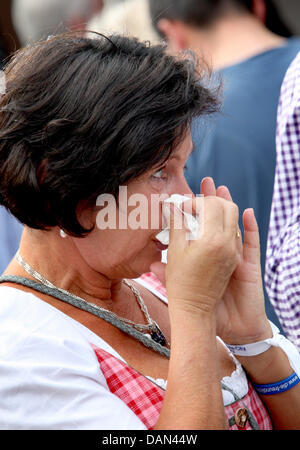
153 282
145 398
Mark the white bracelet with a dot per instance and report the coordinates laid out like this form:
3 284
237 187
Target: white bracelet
256 348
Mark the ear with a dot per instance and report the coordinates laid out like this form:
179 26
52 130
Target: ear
259 10
174 34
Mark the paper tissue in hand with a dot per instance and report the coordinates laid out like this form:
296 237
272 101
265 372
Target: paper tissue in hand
191 222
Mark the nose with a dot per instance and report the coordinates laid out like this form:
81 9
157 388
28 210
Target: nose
183 188
188 190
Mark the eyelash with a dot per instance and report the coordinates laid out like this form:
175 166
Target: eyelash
161 177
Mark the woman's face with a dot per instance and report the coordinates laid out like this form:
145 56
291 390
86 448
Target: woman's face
124 250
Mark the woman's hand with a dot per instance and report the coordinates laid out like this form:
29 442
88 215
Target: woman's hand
241 315
197 274
198 271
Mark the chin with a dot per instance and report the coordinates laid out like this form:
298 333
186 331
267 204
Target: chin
144 263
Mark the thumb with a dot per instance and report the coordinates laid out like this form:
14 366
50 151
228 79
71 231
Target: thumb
159 269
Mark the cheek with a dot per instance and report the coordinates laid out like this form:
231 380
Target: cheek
143 214
110 248
123 252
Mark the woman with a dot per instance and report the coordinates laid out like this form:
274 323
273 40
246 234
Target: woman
81 118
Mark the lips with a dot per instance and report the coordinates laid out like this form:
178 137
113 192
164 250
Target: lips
160 246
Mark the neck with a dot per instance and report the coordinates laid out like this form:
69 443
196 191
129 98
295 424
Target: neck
232 40
64 267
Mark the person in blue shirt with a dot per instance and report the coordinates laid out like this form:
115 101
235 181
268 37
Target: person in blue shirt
10 228
250 50
10 234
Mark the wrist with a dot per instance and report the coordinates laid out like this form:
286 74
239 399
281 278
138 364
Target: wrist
195 309
268 367
192 329
257 331
272 363
255 345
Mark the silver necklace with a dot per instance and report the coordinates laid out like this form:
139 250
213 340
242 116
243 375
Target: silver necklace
152 328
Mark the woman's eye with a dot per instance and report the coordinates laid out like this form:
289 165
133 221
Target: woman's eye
159 174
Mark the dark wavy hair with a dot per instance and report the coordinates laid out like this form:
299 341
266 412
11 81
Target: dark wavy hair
203 13
82 116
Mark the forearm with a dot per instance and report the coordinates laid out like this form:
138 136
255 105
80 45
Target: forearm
193 398
270 367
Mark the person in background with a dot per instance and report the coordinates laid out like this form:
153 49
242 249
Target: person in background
282 261
121 18
9 40
35 20
10 234
249 47
10 228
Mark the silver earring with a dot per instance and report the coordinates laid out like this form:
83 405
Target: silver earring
62 233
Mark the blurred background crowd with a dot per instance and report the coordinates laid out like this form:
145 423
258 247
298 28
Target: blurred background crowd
248 44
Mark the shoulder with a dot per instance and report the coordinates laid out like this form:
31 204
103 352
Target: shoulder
50 377
24 317
30 317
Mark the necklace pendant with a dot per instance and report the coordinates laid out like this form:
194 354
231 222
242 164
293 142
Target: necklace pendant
157 335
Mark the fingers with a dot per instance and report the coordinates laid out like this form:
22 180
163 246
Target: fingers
251 251
212 216
207 187
217 216
223 192
209 213
231 219
178 231
231 212
251 248
216 211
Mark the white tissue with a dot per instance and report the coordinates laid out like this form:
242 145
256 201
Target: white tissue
191 222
